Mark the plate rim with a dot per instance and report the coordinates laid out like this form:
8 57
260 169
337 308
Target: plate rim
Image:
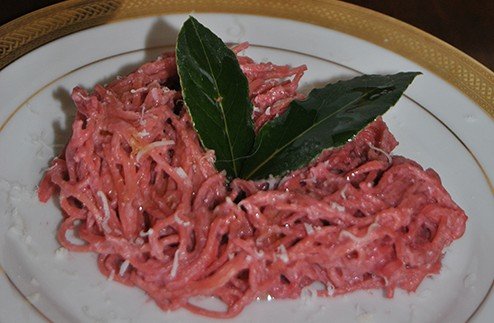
475 80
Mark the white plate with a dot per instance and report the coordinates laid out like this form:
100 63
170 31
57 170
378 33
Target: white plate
436 124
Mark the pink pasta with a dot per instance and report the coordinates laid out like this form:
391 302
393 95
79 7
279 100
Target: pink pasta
138 189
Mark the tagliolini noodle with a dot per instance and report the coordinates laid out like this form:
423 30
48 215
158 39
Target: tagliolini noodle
138 189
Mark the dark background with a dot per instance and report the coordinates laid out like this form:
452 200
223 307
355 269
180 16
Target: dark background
466 24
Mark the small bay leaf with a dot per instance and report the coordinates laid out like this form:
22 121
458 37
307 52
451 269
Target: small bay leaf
215 92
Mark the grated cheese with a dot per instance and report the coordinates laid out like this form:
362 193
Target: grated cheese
146 149
259 254
141 118
18 225
308 294
180 172
141 89
106 211
112 275
338 207
139 241
85 98
282 254
123 267
143 133
357 240
61 253
180 221
330 289
173 272
308 228
343 192
469 280
146 233
388 156
272 181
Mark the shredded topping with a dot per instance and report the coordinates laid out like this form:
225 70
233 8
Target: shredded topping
388 156
308 228
282 254
146 149
106 211
173 272
123 267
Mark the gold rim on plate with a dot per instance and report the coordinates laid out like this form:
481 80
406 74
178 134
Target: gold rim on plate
472 78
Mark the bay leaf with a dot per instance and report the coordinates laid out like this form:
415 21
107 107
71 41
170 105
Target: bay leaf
327 118
215 93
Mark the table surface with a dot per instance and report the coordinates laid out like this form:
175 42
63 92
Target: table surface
467 25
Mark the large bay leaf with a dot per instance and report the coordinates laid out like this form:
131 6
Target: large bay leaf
328 118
